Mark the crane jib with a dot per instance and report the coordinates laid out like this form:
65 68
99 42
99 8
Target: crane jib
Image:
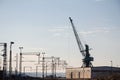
81 48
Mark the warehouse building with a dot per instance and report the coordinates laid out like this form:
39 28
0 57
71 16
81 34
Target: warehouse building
91 72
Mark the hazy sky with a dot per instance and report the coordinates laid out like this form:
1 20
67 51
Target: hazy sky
43 25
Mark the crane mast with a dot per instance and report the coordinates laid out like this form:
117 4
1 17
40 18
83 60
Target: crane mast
85 52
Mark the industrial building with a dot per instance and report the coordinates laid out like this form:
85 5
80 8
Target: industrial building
90 72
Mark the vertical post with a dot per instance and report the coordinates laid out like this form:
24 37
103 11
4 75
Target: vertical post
46 69
16 69
56 63
52 66
20 63
43 59
5 61
20 66
55 68
10 61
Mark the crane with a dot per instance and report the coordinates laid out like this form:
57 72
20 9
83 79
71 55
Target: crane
85 52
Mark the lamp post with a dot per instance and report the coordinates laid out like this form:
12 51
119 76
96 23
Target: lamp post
20 66
10 62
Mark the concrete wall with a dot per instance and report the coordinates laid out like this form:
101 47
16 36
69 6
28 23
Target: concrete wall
72 73
77 73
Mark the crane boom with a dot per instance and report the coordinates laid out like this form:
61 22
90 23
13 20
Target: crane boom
85 52
81 48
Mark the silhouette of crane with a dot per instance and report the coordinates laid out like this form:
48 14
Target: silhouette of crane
85 52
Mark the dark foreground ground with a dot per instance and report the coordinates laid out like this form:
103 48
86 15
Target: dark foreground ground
112 77
13 77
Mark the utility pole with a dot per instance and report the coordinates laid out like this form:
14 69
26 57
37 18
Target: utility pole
43 60
56 63
20 66
4 60
10 62
53 66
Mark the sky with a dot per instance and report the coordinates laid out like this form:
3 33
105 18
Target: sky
44 26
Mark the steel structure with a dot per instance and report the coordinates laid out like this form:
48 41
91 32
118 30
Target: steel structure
20 66
85 52
4 60
27 53
43 65
55 63
33 53
10 61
